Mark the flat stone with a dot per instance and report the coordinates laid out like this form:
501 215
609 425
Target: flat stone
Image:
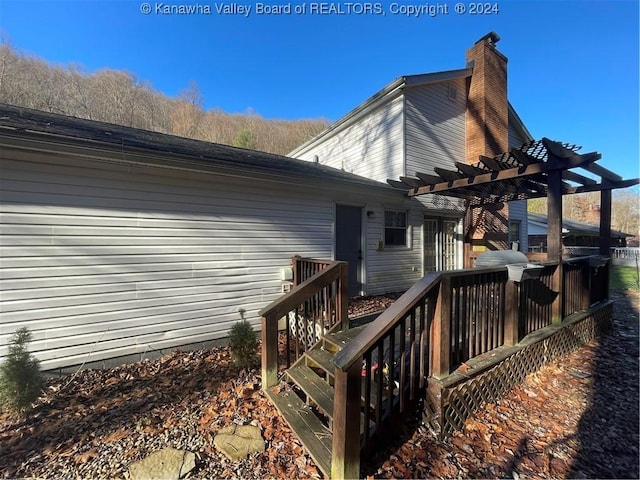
238 441
165 464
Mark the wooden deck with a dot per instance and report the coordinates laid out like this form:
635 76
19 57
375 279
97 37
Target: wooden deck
453 341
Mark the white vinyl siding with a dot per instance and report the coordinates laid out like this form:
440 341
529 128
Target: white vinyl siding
372 147
435 127
435 133
123 260
393 269
516 139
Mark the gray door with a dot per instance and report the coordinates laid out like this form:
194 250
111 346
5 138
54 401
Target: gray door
349 243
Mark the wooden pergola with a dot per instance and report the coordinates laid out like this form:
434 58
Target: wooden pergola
542 168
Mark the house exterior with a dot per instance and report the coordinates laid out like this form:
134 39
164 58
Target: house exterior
574 234
117 244
419 123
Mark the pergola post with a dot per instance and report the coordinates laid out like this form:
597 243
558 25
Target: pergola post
554 239
605 222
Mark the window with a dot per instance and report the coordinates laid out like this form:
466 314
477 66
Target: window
395 228
514 232
452 92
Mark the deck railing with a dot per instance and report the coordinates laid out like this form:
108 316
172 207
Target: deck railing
535 302
444 320
305 268
296 321
477 312
383 369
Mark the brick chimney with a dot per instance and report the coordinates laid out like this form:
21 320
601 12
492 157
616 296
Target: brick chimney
487 104
487 133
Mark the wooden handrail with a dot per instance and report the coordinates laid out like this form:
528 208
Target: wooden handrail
333 277
387 320
295 297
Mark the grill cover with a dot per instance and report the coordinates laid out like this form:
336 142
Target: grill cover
497 258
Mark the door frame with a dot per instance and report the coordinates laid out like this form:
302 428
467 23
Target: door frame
440 220
361 270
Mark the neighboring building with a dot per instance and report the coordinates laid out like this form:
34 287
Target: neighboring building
118 243
422 122
574 234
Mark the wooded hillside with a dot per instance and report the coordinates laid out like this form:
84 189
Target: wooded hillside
119 97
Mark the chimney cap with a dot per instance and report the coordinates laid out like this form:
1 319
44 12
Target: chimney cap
490 38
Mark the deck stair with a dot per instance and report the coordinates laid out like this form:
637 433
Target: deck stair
306 401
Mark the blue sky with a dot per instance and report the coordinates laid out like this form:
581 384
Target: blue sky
573 64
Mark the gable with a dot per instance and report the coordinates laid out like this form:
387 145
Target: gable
372 147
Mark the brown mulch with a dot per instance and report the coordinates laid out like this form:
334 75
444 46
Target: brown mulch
575 418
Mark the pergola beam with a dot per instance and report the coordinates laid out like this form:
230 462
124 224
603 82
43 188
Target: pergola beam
603 172
600 187
511 173
428 179
576 177
523 158
448 175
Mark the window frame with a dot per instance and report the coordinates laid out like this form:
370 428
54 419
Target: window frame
404 228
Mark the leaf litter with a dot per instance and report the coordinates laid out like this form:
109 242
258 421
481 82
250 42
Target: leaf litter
576 417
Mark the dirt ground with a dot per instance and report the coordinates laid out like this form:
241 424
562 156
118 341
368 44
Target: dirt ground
575 418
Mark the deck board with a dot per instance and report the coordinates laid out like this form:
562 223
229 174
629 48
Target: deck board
319 391
315 436
323 359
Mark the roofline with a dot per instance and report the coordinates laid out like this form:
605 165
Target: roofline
389 91
178 152
542 221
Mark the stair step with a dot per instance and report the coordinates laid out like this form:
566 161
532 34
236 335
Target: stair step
323 359
318 391
339 340
312 433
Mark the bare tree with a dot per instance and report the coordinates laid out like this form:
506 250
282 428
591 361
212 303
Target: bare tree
120 97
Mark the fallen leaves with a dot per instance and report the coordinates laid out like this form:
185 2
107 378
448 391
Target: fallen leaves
577 417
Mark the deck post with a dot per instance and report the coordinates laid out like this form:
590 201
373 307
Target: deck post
554 242
269 353
345 458
605 223
605 231
343 296
512 314
441 331
295 266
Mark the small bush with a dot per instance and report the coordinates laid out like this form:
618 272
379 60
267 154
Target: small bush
20 378
243 342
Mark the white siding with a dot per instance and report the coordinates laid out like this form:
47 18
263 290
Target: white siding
435 133
101 261
516 139
393 269
435 127
372 147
